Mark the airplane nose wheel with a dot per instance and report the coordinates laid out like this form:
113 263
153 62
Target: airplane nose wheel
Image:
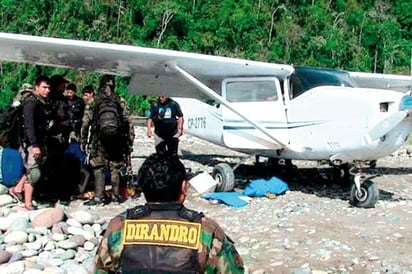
224 176
364 195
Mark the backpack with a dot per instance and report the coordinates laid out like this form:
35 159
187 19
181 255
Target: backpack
108 119
11 126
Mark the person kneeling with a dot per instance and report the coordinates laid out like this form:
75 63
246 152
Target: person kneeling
163 235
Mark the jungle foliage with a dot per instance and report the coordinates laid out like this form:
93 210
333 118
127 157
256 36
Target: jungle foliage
358 35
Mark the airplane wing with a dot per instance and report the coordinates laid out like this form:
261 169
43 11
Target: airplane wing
152 71
382 81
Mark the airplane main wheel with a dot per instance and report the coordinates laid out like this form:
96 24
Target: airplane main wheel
224 176
372 163
366 197
341 174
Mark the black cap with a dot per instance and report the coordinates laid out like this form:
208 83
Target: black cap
58 79
87 89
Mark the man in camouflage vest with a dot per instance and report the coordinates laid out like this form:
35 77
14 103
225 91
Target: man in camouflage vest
163 236
100 158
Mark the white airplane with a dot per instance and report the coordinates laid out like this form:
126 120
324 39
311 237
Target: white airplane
264 109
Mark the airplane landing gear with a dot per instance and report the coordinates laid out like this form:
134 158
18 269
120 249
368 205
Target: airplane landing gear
364 192
341 174
224 176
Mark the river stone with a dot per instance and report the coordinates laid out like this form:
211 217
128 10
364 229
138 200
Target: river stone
5 223
74 230
97 229
89 246
3 189
48 217
43 257
78 239
13 248
15 268
54 270
68 254
58 236
19 223
5 210
50 245
73 222
18 237
4 256
6 199
89 229
38 230
60 228
73 268
29 253
36 245
55 262
83 217
66 244
33 271
15 257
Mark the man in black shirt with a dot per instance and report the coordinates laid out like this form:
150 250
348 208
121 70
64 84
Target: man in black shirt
167 118
76 110
36 122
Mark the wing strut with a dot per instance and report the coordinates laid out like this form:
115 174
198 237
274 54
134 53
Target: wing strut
211 93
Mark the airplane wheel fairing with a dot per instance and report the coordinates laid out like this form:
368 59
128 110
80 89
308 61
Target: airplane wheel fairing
366 197
224 176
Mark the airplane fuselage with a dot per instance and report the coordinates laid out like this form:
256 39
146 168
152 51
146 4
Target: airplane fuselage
324 123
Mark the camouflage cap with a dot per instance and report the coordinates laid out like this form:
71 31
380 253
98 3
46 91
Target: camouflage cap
26 87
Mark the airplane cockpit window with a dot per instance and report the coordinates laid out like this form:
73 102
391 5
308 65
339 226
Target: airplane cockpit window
306 78
251 91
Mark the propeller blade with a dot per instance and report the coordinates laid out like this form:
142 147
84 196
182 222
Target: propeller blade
384 126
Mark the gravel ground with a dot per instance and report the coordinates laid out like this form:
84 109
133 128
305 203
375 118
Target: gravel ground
312 228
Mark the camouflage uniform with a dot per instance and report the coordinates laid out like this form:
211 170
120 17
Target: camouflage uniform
98 157
216 253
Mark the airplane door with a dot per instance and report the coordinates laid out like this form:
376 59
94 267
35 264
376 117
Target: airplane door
260 100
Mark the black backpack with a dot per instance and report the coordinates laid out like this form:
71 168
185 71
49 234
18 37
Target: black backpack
108 118
11 126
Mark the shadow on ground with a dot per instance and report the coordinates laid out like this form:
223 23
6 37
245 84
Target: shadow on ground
318 181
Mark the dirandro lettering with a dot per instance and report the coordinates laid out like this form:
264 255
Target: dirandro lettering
162 232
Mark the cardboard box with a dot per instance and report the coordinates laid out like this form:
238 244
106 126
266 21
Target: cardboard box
203 183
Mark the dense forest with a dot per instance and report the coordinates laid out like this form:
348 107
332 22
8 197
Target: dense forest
359 35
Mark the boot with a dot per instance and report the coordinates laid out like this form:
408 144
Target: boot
99 182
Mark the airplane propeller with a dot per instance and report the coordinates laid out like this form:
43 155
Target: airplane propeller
384 126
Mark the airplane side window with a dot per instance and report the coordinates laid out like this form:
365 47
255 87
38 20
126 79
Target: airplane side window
253 91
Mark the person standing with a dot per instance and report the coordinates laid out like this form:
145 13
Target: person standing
108 120
76 111
60 112
88 93
167 118
163 236
36 123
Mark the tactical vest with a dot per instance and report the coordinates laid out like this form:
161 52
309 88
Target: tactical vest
161 238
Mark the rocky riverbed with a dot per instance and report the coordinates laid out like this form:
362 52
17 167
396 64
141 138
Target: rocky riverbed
310 229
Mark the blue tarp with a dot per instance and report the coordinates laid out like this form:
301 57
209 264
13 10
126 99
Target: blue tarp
256 188
259 187
229 198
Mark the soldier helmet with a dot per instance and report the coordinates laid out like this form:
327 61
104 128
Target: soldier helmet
25 88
